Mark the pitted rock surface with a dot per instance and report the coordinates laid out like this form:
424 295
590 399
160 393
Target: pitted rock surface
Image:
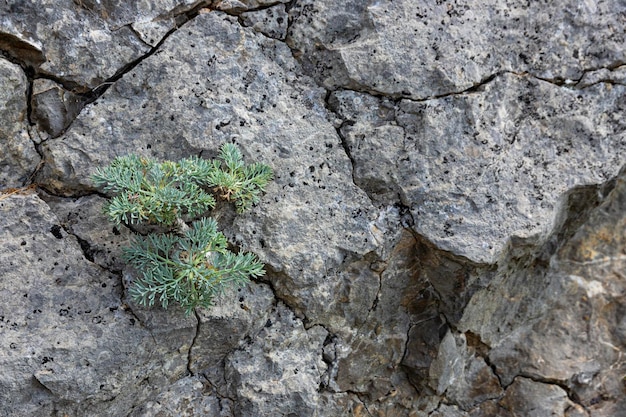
444 235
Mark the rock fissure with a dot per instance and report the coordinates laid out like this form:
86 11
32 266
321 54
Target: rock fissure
193 342
573 397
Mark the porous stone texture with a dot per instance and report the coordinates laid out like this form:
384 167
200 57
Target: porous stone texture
190 396
239 316
69 342
67 41
424 49
444 235
279 372
474 168
271 22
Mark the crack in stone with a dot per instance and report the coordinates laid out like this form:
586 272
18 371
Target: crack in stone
185 16
237 12
220 396
137 35
358 395
550 381
344 143
193 342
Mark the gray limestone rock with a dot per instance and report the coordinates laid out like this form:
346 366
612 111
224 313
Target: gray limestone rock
545 399
280 371
604 75
271 22
19 158
53 107
571 298
477 169
421 49
444 235
461 375
237 316
68 41
101 245
69 343
313 221
238 6
190 396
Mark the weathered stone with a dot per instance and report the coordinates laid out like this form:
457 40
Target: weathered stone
530 398
73 43
237 316
424 49
387 216
120 13
103 244
70 344
53 107
375 350
477 169
604 75
271 22
572 299
444 410
284 361
19 157
464 378
237 6
242 97
190 396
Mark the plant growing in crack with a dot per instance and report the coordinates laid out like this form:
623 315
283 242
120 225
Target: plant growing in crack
191 264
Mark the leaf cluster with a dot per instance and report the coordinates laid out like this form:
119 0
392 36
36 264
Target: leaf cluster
192 266
159 193
237 181
191 269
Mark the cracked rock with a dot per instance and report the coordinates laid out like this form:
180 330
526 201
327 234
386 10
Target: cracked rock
68 341
271 22
571 298
54 108
284 361
19 157
187 99
102 245
424 49
478 169
444 236
190 396
74 43
548 400
237 316
461 376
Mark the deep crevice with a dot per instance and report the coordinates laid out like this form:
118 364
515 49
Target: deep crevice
193 342
182 19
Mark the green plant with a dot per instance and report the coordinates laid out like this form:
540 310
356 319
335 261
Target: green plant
189 265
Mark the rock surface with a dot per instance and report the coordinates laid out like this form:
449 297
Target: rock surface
474 168
19 157
423 50
444 236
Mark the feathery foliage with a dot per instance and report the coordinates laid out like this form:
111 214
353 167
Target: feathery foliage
192 266
238 182
155 192
191 269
